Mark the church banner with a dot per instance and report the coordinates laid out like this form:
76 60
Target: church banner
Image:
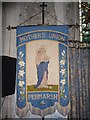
42 72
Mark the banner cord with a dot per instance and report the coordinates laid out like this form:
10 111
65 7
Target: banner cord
29 18
40 12
34 16
54 17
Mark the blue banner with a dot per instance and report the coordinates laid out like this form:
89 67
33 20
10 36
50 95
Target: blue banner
42 69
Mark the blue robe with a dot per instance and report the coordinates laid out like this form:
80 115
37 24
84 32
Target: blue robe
41 68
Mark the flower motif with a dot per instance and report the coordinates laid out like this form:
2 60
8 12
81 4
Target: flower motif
21 92
62 90
21 63
21 83
63 53
62 62
50 87
63 81
65 97
63 71
21 73
21 54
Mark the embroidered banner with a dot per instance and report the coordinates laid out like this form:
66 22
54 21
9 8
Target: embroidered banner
42 70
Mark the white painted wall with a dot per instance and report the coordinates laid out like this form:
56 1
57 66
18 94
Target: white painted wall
10 17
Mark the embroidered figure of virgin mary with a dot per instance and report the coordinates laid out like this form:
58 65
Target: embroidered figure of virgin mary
42 60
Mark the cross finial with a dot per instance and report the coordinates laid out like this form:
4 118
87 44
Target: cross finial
43 6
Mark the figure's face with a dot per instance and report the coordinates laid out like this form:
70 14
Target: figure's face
41 51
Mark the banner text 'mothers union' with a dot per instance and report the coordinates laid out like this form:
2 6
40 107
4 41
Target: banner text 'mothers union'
41 35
